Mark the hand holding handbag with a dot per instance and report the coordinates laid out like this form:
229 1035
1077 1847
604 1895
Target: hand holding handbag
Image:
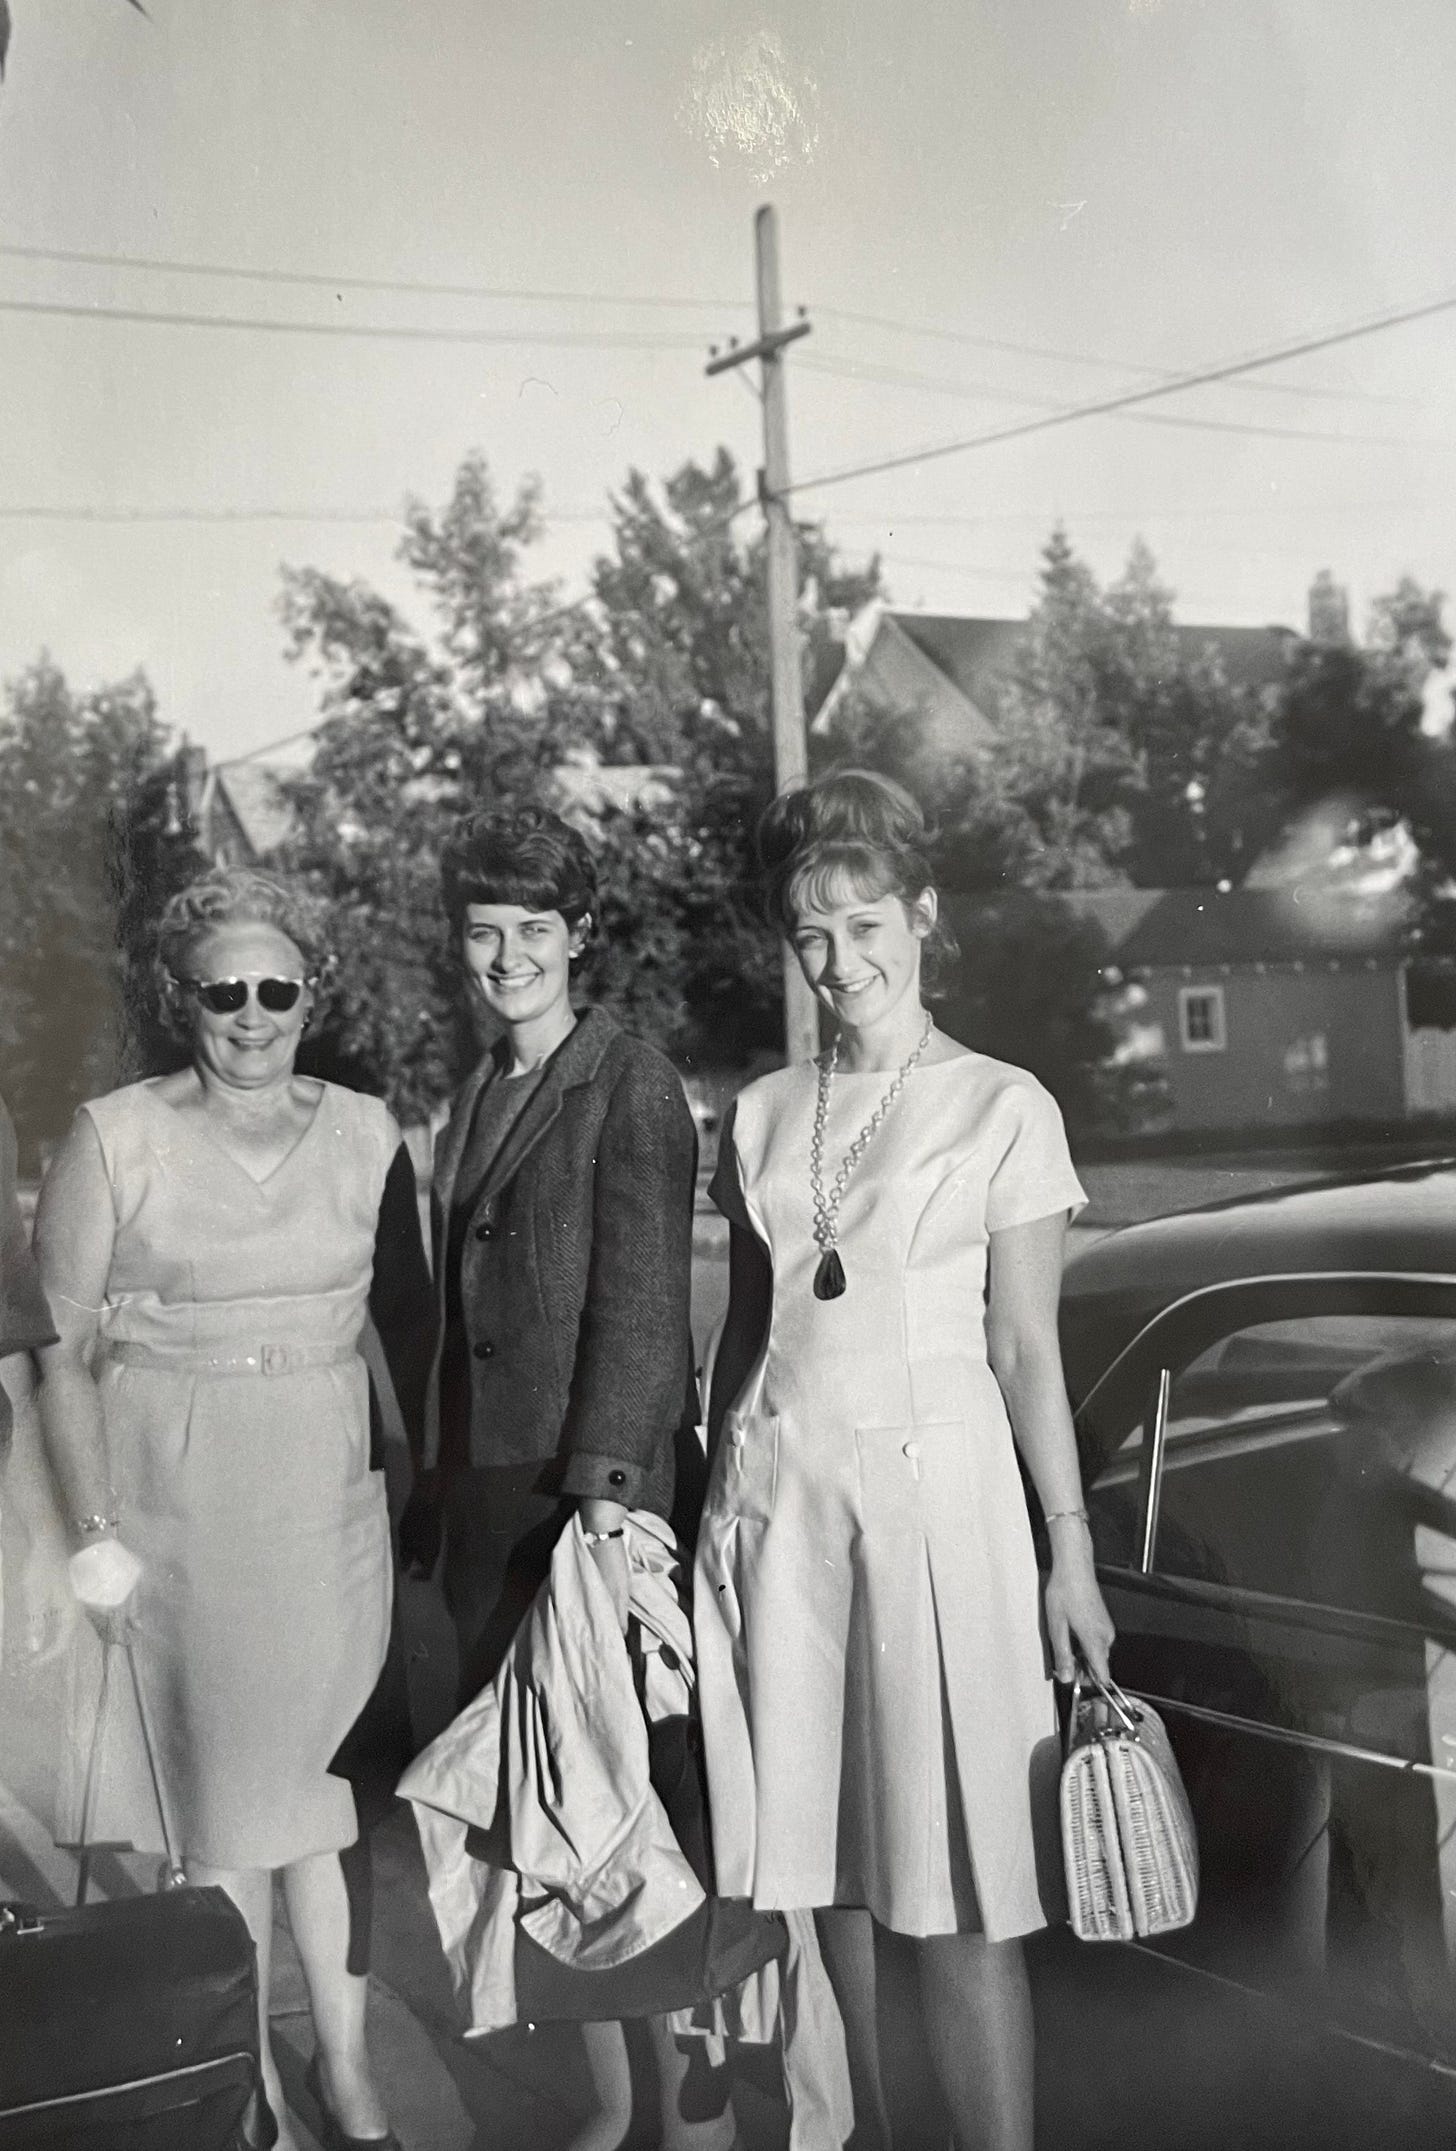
1128 1840
130 2023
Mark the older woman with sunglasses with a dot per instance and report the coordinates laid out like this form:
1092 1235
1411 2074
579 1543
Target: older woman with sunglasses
211 1241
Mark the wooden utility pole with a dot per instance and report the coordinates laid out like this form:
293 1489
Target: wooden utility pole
791 753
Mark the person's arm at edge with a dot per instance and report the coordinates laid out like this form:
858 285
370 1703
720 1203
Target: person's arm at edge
1025 1356
74 1238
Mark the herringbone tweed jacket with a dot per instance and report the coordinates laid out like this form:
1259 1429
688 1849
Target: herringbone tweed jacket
576 1271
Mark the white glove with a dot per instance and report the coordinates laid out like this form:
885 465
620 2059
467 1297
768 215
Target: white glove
104 1575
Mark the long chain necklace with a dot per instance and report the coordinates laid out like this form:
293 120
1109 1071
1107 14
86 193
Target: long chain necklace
829 1277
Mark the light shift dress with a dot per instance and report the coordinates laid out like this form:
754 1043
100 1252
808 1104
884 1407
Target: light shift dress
236 1412
878 1713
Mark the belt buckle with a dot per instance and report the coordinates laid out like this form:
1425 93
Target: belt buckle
275 1358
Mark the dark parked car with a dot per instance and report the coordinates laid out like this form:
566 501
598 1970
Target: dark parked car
1266 1404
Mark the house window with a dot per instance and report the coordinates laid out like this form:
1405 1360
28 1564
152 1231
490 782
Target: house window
1307 1063
1200 1019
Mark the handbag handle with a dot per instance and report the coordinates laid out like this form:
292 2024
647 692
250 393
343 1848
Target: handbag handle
172 1876
1110 1694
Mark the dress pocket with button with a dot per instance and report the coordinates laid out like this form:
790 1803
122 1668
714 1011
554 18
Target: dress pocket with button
913 1474
748 1465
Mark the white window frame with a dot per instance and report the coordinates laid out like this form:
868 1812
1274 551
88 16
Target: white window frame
1213 996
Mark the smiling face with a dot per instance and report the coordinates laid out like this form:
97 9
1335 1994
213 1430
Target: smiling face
253 1046
861 954
519 961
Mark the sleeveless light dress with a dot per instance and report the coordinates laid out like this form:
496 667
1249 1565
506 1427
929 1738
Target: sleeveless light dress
878 1715
236 1412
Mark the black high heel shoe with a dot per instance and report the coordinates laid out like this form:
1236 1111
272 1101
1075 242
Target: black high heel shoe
332 2135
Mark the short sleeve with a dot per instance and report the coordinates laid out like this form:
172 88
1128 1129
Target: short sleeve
1034 1176
726 1186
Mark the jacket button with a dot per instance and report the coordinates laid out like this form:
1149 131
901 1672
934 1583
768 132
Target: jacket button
485 1349
616 1478
485 1232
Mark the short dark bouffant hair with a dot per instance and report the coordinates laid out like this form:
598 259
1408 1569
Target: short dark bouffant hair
849 829
522 855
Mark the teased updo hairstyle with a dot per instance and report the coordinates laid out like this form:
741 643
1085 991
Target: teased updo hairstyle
849 830
236 896
524 855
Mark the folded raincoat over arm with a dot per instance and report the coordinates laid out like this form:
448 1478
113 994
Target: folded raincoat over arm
538 1818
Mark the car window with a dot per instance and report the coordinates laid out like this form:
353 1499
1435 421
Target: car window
1314 1459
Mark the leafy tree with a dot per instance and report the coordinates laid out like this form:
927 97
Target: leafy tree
501 690
680 648
415 731
1117 757
1027 990
92 841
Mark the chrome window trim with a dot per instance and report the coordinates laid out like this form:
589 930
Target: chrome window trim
1151 1493
1320 1743
1150 1488
1353 1626
1262 1277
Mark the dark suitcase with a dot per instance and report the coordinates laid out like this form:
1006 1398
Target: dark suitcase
129 2026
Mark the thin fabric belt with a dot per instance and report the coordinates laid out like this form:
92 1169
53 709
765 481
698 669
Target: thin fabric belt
240 1359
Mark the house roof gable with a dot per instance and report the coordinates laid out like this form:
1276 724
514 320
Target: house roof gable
976 654
252 795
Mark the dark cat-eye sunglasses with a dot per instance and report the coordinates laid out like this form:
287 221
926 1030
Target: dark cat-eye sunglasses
225 996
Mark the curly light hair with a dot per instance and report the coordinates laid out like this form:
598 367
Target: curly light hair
237 896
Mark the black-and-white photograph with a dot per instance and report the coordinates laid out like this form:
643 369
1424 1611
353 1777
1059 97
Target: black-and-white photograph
727 1075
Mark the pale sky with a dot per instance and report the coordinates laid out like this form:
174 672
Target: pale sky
1135 183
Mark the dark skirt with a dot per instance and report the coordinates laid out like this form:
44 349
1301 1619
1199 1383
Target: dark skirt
502 1522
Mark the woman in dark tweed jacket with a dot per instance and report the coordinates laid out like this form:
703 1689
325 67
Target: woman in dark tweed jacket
563 1199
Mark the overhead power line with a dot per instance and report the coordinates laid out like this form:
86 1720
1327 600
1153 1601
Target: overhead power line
960 567
1060 357
421 287
312 279
988 392
889 521
29 512
389 332
269 746
1188 422
33 513
1128 399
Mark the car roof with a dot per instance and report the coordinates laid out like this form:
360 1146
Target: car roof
1402 1219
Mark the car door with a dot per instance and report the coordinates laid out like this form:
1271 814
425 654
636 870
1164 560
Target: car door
1271 1473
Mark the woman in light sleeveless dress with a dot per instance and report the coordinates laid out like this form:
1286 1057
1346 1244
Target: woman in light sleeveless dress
210 1239
872 1630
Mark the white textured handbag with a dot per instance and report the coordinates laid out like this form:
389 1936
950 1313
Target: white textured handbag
1128 1840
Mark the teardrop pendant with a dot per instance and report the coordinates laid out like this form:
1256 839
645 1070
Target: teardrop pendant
829 1278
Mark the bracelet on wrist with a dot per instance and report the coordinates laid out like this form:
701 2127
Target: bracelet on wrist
92 1527
1066 1516
598 1538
